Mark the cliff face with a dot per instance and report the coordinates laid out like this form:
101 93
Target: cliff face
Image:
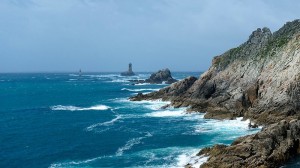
259 79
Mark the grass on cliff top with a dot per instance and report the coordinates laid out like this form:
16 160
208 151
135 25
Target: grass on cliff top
236 53
273 45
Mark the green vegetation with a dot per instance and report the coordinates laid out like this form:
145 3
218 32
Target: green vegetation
273 45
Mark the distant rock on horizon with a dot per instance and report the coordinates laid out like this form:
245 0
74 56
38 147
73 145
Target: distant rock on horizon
159 77
129 72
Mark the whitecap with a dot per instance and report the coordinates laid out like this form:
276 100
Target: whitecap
129 144
107 123
74 108
191 159
139 90
73 75
149 104
167 113
72 163
237 126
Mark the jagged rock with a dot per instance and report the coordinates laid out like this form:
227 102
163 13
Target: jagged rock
174 90
260 80
253 80
271 147
162 76
129 72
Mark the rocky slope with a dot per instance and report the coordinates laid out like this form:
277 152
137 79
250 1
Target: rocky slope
259 80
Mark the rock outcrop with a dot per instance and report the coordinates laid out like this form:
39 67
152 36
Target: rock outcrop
271 147
162 76
129 72
258 80
174 90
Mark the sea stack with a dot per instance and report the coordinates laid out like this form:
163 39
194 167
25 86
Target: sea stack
159 77
129 72
258 80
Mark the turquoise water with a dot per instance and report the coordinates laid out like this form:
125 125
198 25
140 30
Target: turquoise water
66 120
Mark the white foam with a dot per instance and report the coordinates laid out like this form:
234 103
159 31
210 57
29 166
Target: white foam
236 126
107 123
139 90
141 84
192 159
129 144
166 113
150 104
69 164
74 108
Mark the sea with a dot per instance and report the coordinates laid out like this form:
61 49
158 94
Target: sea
86 120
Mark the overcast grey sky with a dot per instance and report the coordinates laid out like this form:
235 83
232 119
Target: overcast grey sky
105 35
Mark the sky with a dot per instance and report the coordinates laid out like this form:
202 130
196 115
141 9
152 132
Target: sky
105 35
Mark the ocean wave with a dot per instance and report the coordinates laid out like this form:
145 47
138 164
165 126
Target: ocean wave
74 163
193 160
237 126
139 90
74 108
129 144
167 113
107 123
73 75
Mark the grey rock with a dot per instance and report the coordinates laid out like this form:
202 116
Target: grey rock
270 148
162 76
129 72
259 80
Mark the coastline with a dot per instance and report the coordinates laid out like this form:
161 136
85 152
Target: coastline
258 80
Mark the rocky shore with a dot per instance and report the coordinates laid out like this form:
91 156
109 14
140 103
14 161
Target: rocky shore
258 80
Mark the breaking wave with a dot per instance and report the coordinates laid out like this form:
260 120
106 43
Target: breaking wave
139 90
74 108
129 144
107 123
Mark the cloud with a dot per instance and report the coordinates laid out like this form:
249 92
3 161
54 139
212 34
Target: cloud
104 35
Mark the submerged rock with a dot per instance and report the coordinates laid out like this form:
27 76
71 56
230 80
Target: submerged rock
129 72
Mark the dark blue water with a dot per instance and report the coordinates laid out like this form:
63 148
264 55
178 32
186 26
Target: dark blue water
66 120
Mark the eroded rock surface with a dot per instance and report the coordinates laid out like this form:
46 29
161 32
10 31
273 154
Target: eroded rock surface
271 147
258 80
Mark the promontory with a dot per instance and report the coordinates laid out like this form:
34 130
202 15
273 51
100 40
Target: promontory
258 80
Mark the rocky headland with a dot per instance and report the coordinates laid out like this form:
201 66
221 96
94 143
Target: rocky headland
159 77
258 80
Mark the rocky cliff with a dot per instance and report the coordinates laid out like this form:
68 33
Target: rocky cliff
258 80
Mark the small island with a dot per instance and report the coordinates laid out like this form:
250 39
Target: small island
159 77
129 72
